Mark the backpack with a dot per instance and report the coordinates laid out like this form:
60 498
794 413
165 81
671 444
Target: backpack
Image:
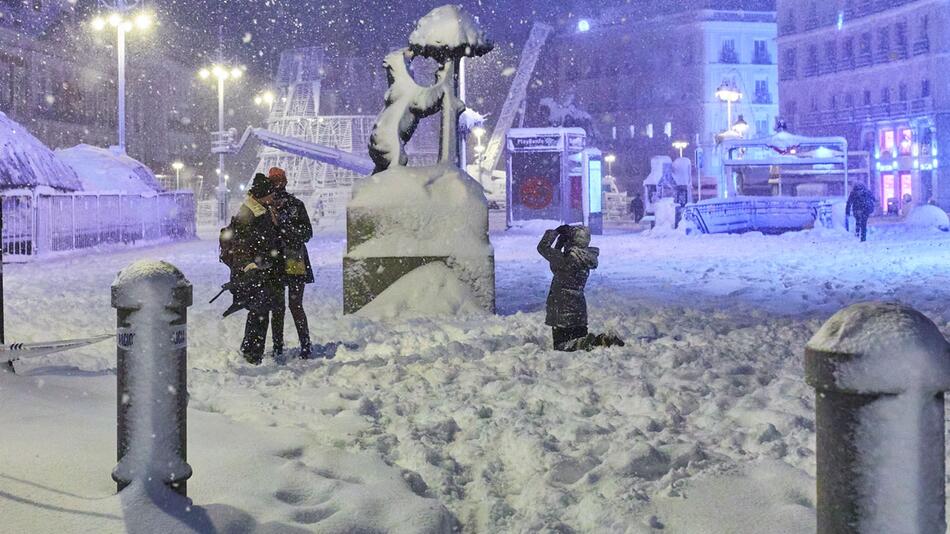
227 245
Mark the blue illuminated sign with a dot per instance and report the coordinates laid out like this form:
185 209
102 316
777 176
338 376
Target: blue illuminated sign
595 179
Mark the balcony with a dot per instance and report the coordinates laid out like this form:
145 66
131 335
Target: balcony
811 70
788 28
762 98
845 63
826 67
863 60
922 46
811 23
901 52
921 105
787 73
762 58
729 55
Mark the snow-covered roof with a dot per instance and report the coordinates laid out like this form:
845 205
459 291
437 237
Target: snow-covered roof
449 31
785 148
101 170
25 162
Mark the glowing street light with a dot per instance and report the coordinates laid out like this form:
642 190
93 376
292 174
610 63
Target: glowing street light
178 166
266 99
220 145
610 159
729 94
121 18
681 146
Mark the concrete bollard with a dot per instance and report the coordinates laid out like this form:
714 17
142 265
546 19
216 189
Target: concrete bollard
879 371
151 300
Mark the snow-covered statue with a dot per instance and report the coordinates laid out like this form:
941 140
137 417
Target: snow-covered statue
417 237
446 35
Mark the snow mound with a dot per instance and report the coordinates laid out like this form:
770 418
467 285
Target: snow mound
25 162
449 31
895 348
430 290
101 170
928 217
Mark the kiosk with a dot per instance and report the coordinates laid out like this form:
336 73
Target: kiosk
552 176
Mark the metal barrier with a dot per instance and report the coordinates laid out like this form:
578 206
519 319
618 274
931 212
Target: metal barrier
744 214
38 224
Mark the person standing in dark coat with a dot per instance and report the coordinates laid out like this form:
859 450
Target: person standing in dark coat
571 260
861 204
295 228
257 263
636 207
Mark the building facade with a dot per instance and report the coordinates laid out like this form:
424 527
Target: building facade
875 72
651 81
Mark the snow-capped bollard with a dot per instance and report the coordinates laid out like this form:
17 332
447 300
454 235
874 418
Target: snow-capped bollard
879 371
151 300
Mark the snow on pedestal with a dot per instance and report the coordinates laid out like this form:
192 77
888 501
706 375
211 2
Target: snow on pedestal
879 370
404 219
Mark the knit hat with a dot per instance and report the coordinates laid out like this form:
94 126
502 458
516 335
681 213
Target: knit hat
261 186
277 176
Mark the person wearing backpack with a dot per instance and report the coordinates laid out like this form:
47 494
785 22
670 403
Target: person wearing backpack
252 249
293 223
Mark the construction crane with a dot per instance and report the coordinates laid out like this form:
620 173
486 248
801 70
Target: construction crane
514 104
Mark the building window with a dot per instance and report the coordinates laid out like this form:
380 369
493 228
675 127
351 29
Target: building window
762 95
814 103
760 54
883 45
811 67
847 58
900 40
924 88
789 67
885 95
902 92
831 57
849 100
864 50
762 127
867 97
922 44
728 53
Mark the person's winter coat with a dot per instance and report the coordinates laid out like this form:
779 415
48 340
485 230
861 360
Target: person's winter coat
256 244
860 201
571 260
295 228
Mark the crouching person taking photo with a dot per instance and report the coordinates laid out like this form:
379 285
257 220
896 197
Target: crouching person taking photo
571 258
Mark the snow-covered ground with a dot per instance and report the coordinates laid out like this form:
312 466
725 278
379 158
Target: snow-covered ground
702 423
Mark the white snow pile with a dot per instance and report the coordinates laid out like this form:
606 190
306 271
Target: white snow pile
449 30
432 289
101 170
25 162
928 216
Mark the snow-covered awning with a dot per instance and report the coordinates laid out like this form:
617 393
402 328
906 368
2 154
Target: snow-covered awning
785 148
101 170
26 163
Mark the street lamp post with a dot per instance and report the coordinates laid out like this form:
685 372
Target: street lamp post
221 144
730 94
680 145
119 19
178 166
610 159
